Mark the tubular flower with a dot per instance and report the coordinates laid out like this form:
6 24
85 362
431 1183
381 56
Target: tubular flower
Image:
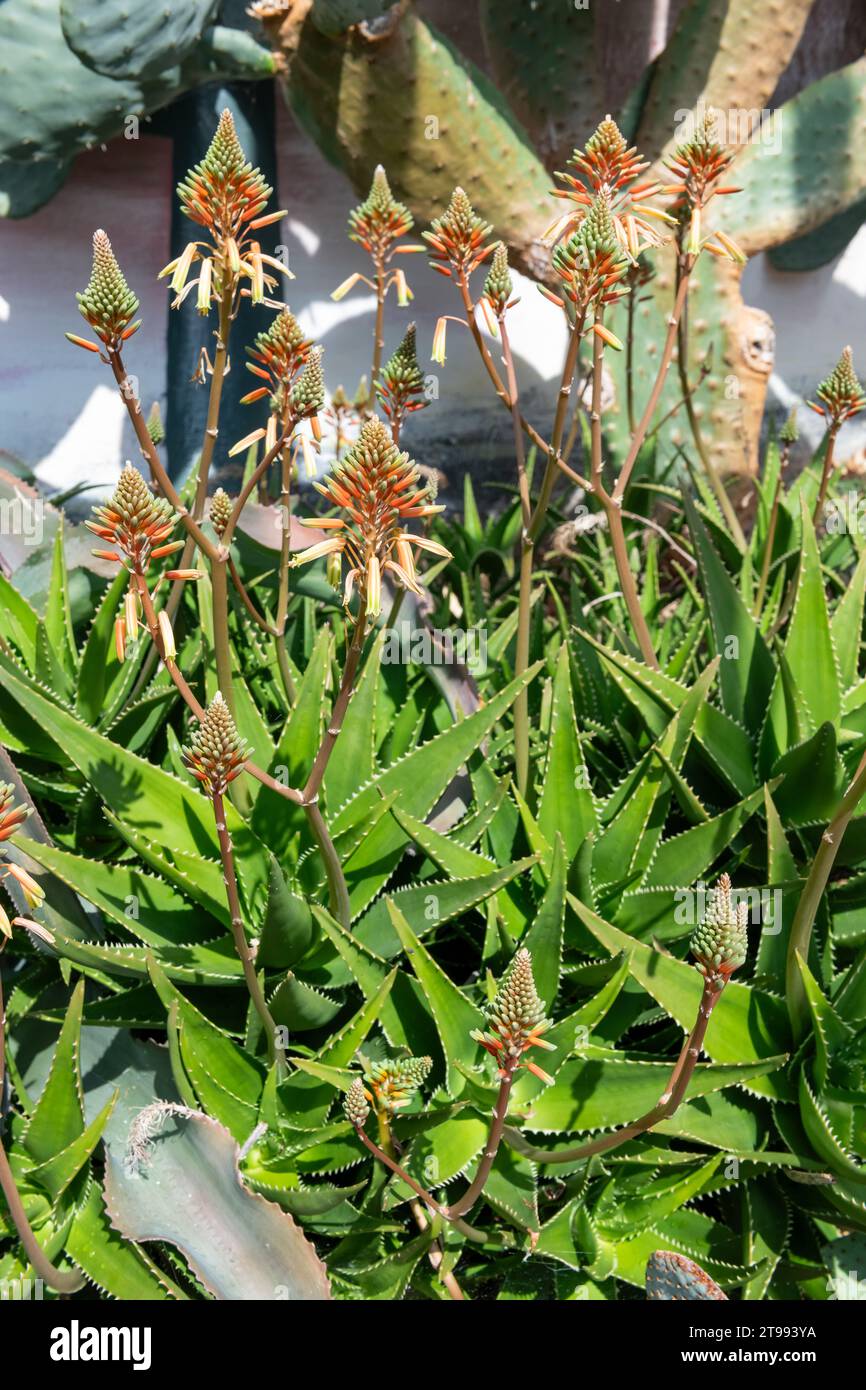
227 196
375 486
355 1106
498 287
278 354
697 165
609 167
12 817
719 944
515 1021
220 510
457 238
840 393
216 752
393 1084
134 521
591 262
380 220
402 381
108 304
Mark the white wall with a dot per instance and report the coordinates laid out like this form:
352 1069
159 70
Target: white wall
59 412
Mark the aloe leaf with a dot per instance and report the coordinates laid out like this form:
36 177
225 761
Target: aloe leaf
846 626
565 804
114 1265
301 1008
287 930
99 664
440 1153
419 777
354 760
455 1016
543 938
58 1119
602 1089
831 1032
274 819
747 671
147 799
665 1195
19 623
189 1192
57 1173
430 904
747 1025
141 903
58 614
809 649
685 857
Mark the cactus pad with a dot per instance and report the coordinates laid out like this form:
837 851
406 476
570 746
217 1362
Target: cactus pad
121 40
672 1276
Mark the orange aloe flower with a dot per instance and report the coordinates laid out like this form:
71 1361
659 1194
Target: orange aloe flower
375 487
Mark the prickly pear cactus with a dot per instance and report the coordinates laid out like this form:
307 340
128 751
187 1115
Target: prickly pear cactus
414 104
79 106
121 40
672 1276
334 17
545 61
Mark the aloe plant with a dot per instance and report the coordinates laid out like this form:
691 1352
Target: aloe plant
421 978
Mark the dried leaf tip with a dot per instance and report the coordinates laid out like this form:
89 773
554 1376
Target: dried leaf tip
515 1020
216 753
719 943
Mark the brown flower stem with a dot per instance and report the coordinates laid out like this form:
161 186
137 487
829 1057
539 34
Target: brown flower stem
244 596
768 550
629 359
291 793
341 704
707 464
469 1231
825 473
218 375
379 329
149 450
559 419
527 551
810 899
283 590
491 1148
499 386
252 482
338 892
612 507
645 421
152 625
436 1253
670 1101
275 1051
61 1281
